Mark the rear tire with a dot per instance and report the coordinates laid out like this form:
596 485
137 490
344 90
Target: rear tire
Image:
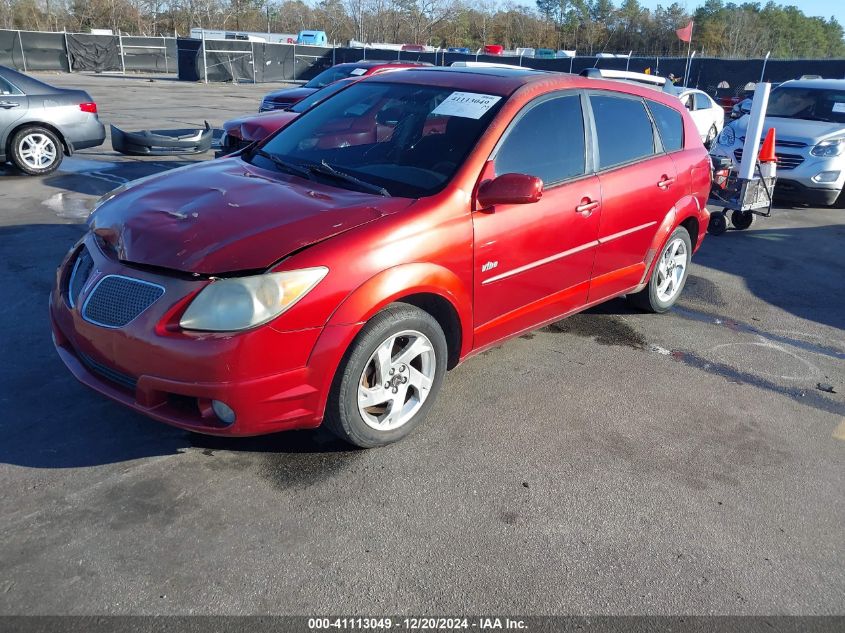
36 150
389 377
669 275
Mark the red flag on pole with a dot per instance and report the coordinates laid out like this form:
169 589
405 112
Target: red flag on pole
685 34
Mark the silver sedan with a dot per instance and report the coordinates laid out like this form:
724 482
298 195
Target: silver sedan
39 123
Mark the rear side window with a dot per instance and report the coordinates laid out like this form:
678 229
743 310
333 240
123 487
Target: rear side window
702 101
547 142
669 124
7 89
623 128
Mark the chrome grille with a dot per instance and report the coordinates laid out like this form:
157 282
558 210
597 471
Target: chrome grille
79 274
780 142
785 161
117 300
127 382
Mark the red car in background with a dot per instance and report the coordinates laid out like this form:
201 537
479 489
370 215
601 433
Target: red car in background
284 99
244 131
328 276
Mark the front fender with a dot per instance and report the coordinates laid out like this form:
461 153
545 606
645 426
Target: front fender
403 281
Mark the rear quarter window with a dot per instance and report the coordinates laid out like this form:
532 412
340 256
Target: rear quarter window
623 129
670 125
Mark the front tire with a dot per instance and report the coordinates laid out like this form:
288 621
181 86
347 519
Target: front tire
36 151
669 275
742 219
388 378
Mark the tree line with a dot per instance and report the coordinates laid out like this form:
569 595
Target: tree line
722 29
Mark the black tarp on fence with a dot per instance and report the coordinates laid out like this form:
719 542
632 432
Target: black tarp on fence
149 54
94 52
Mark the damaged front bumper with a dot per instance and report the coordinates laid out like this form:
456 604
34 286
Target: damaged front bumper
162 142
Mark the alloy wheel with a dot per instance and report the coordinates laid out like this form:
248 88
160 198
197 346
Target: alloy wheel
37 151
671 269
396 380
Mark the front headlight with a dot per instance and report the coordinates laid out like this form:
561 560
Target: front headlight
727 137
829 148
227 305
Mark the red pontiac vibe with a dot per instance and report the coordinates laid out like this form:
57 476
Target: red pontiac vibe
307 280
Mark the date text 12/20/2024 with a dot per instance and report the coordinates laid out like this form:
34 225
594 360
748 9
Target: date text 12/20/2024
416 624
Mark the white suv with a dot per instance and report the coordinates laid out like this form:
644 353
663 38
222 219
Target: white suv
809 121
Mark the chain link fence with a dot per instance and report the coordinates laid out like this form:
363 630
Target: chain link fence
258 62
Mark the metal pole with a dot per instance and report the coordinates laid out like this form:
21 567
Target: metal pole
23 55
334 52
764 65
628 63
252 51
689 47
122 59
164 42
204 60
571 61
67 52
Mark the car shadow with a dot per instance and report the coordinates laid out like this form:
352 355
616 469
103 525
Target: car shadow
52 421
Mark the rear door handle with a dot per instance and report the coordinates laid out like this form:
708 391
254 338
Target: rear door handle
587 207
665 182
9 104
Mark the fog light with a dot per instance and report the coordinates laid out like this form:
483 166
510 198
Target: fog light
223 411
826 176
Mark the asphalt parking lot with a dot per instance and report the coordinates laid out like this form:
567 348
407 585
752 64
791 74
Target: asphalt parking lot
614 463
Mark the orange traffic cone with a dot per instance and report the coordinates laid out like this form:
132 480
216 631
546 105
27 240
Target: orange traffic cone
768 159
767 152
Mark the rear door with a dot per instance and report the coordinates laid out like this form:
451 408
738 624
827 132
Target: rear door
533 261
13 105
638 189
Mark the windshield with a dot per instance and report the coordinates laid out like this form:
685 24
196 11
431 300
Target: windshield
406 139
813 104
313 99
333 74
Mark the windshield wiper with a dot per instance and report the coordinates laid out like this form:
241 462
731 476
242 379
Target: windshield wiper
324 168
283 165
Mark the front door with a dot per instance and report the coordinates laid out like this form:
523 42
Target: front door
533 261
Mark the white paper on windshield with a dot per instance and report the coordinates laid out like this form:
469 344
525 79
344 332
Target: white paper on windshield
358 71
839 107
470 105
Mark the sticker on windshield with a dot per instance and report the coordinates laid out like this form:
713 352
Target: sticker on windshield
839 107
358 71
470 105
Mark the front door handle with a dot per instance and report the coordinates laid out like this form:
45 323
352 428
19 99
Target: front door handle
587 207
665 182
9 104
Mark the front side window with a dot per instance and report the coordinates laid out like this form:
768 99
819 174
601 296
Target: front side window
670 124
623 128
405 139
546 142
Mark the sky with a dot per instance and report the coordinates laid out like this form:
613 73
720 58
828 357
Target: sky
821 8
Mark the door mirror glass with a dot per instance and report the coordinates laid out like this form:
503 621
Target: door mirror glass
510 189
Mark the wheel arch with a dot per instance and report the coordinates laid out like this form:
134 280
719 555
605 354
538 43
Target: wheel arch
430 287
684 214
7 146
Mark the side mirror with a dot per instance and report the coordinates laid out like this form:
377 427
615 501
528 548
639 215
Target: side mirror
510 189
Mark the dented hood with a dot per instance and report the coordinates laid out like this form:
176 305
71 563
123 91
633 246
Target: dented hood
226 216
